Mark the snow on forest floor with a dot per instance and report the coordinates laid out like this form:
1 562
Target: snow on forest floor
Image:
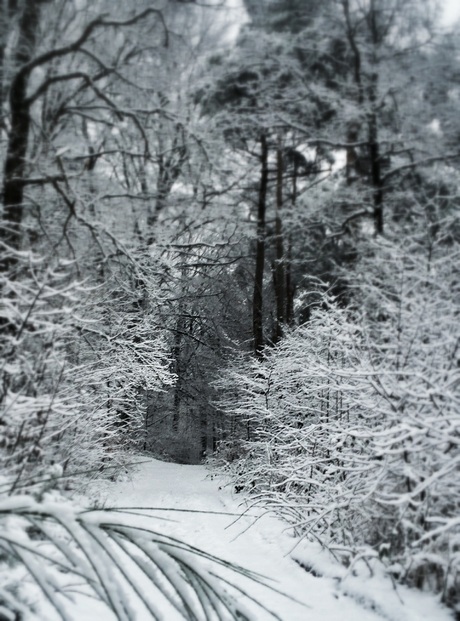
196 509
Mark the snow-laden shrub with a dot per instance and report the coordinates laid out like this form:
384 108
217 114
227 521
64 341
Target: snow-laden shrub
410 301
78 356
354 417
299 404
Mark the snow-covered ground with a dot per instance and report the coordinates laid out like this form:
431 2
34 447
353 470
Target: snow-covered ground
197 509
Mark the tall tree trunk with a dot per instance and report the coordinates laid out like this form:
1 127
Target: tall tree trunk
15 163
257 305
374 146
376 174
8 9
290 287
372 118
280 266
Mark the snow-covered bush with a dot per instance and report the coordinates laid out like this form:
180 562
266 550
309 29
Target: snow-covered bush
39 388
410 301
299 404
353 418
74 370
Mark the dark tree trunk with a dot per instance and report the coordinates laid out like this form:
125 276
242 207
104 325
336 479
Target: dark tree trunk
280 266
9 9
290 287
374 146
16 153
376 174
372 120
352 156
257 306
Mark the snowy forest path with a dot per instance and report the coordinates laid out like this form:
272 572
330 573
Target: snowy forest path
194 507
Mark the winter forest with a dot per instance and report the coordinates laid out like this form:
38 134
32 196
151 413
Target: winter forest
229 236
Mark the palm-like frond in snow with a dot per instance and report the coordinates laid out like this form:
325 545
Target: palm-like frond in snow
122 563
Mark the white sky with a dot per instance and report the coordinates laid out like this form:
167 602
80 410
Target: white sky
236 12
451 11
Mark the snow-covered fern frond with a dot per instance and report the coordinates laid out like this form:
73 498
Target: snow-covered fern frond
61 555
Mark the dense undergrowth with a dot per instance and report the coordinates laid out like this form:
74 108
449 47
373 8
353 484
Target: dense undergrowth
352 421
